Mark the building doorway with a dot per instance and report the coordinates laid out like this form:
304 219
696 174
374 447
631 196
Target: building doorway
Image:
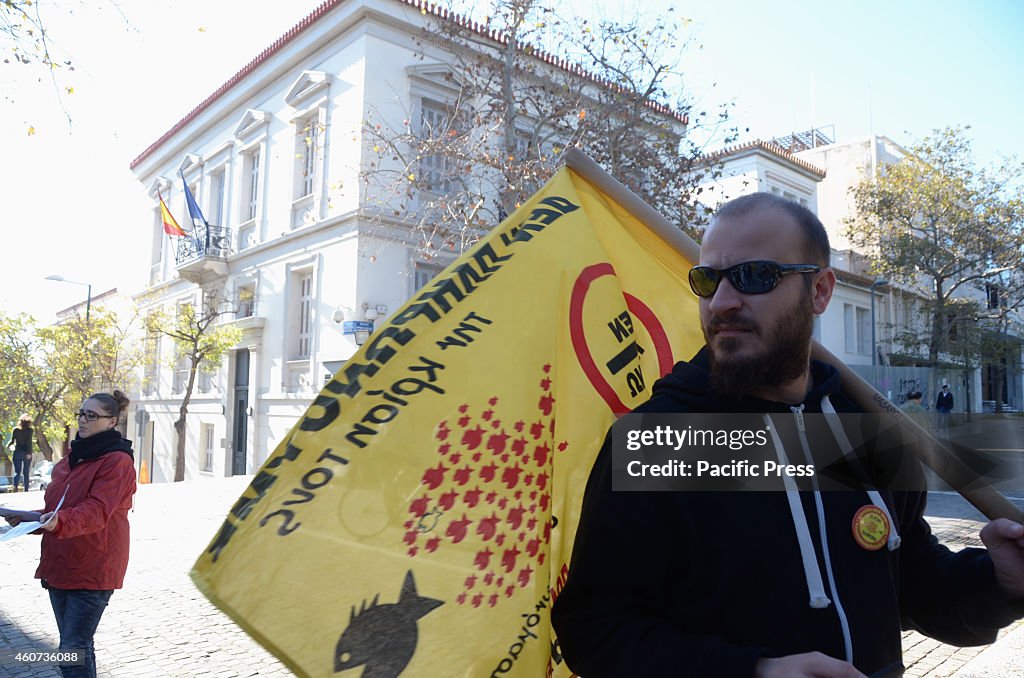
240 433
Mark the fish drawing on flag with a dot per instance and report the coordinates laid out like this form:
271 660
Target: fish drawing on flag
383 637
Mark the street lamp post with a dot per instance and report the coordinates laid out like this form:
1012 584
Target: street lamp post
874 348
88 291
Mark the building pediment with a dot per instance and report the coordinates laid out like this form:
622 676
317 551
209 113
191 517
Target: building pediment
159 185
308 84
190 161
436 75
252 121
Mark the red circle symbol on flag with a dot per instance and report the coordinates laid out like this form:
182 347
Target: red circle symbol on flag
639 310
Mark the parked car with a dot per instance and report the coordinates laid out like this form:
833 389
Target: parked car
40 478
6 484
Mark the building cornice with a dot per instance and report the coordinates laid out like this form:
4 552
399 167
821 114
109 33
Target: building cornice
854 279
425 9
766 147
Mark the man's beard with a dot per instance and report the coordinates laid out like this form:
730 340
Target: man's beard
784 358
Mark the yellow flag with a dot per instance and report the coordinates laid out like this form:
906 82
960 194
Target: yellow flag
419 519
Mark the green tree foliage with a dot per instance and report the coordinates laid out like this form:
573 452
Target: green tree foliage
50 370
44 372
15 366
115 352
201 341
941 226
511 108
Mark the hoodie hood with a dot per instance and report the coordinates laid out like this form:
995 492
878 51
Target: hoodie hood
687 388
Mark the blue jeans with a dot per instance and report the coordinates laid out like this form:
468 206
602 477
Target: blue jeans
22 462
78 613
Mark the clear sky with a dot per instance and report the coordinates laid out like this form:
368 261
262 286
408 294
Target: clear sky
70 206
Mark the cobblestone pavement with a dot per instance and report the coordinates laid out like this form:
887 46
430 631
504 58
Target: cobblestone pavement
924 656
159 625
957 524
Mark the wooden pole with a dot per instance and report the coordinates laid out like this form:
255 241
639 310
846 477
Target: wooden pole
579 162
986 499
937 456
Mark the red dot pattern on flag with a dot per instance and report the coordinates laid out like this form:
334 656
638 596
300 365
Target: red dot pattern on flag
488 490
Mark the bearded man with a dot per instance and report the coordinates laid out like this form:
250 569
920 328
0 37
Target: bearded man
800 582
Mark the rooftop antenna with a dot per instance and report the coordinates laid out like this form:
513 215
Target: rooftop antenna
814 141
871 138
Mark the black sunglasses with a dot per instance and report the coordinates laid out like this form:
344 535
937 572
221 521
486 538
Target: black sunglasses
749 277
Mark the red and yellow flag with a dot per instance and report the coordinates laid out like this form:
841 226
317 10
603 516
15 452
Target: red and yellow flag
418 520
171 226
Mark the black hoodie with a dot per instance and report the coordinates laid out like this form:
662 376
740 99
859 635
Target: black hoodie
707 583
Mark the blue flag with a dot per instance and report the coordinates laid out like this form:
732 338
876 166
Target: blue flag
193 207
194 213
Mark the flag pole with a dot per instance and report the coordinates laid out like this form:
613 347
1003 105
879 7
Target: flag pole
946 465
582 164
932 452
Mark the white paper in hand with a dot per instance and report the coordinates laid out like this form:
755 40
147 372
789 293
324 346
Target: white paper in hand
31 525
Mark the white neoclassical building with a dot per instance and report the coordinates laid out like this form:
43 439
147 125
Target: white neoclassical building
275 158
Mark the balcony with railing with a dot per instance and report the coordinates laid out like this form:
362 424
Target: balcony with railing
204 252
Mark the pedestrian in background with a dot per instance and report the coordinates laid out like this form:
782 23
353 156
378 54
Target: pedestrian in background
21 438
916 411
84 550
944 405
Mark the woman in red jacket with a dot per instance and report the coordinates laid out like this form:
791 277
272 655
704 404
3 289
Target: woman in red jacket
84 551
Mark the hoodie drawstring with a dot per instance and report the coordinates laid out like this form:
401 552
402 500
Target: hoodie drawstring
812 573
808 556
798 414
844 443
